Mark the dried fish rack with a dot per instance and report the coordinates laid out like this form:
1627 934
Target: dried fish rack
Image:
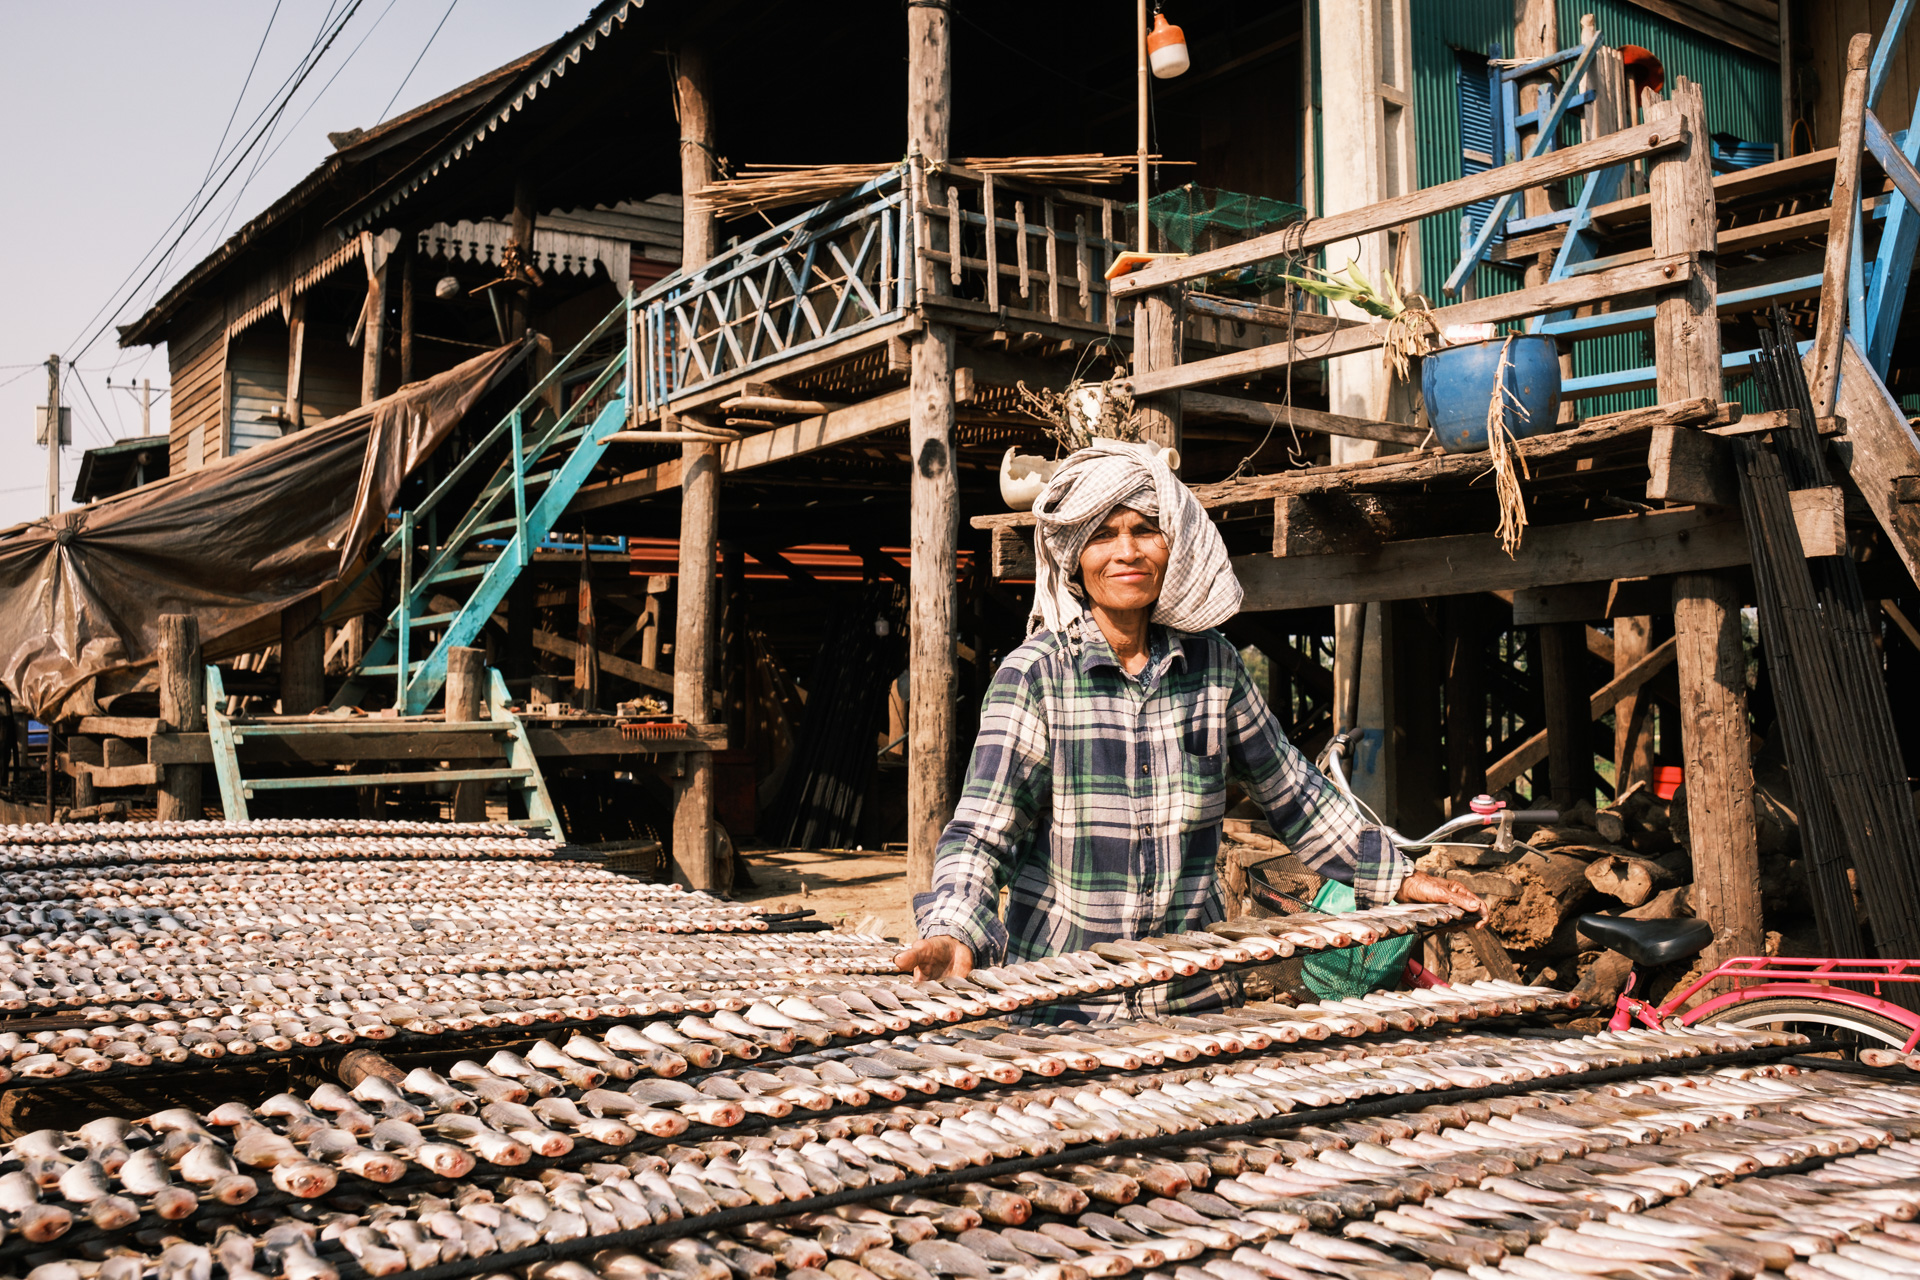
836 1123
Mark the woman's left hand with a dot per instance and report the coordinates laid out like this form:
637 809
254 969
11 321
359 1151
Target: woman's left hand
1421 887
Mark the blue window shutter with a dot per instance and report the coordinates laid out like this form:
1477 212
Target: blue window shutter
1473 89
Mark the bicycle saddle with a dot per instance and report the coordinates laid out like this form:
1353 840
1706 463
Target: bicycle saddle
1649 943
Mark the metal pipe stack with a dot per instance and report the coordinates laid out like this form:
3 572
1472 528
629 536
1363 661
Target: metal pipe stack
768 1117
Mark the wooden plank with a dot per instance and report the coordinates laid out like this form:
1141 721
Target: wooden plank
1615 148
1766 420
126 775
1570 602
1679 540
1557 296
1013 553
1282 318
1829 333
1531 752
1878 450
119 726
1687 465
1739 184
1259 413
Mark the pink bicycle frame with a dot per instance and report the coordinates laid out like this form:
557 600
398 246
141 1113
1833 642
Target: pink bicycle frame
1778 976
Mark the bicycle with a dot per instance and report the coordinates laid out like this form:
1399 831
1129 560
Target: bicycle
1792 993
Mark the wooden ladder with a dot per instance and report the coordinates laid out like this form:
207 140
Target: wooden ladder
521 769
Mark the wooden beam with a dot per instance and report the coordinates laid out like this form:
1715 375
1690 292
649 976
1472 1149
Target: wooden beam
1830 327
1568 602
625 668
1898 168
1688 465
1679 540
810 435
1205 304
1614 148
1531 752
1013 553
1259 413
1558 296
1632 725
1881 450
1569 746
694 846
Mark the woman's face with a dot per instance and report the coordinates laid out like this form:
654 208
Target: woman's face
1124 562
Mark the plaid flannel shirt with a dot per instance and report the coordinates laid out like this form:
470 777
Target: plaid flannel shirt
1095 799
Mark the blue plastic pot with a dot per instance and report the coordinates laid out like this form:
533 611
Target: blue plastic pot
1458 385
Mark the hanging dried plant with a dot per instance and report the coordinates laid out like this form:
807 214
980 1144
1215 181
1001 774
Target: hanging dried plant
1508 464
1085 411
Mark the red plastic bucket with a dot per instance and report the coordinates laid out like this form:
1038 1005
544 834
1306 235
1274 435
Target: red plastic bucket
1667 779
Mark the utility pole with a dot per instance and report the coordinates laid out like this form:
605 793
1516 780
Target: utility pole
53 439
146 406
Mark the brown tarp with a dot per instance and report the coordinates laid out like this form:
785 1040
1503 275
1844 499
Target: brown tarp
81 594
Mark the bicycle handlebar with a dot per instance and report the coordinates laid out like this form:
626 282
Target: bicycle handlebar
1336 773
1539 817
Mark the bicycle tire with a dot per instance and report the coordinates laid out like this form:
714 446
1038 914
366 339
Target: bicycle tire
1805 1011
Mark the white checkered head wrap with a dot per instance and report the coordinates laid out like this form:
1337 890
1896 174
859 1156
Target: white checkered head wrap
1200 590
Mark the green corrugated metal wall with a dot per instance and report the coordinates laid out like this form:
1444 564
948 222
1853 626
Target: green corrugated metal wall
1742 95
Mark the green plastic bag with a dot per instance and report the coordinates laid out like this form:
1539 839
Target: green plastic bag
1352 971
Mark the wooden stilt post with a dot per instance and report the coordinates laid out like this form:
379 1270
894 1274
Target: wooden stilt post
520 304
1463 642
1706 606
1719 769
934 489
1159 330
1569 741
693 842
303 657
1632 721
295 408
657 586
373 335
406 308
467 700
183 709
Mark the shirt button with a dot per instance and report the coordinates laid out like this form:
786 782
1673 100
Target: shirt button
1146 768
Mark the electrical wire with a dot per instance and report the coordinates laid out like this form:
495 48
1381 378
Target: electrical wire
227 217
188 217
245 84
416 62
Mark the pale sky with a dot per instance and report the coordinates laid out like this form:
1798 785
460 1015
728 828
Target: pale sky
111 114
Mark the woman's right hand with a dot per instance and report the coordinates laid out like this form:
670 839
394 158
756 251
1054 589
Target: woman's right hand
936 957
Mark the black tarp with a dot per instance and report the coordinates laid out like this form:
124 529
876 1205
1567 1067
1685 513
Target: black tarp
82 593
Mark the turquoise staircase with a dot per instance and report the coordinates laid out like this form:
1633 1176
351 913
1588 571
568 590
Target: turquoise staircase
475 563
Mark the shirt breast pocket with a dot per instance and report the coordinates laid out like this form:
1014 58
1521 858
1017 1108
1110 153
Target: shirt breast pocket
1203 764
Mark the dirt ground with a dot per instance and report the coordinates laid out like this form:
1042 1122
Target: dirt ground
841 887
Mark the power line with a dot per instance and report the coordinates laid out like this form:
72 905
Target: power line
192 215
244 86
416 63
314 101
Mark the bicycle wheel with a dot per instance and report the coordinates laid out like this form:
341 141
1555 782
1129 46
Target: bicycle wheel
1820 1019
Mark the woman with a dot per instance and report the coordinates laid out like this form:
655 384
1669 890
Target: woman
1099 779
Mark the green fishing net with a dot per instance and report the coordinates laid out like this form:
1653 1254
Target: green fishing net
1352 971
1194 218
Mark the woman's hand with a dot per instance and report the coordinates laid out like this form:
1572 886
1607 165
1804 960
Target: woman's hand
936 957
1421 887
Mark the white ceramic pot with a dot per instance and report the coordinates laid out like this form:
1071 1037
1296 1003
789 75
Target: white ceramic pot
1023 476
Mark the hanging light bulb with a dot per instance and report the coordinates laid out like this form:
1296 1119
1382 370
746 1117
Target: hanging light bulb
1166 47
